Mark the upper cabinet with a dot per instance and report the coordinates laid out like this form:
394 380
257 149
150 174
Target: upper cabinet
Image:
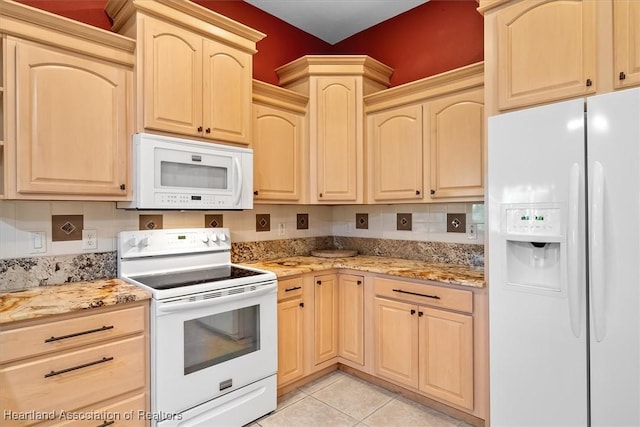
335 86
425 139
542 51
66 112
279 145
626 41
194 69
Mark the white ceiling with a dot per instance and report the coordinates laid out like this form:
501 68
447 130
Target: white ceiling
334 20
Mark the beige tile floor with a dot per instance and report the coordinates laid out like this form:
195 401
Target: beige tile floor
339 399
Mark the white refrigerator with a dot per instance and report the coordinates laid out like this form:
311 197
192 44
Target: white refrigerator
564 263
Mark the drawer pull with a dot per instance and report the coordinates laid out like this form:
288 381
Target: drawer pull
417 294
106 423
85 365
293 289
52 339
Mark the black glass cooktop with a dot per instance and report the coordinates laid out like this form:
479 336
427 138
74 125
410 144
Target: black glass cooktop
193 277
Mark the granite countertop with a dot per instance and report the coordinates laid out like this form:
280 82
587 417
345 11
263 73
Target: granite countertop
57 299
446 273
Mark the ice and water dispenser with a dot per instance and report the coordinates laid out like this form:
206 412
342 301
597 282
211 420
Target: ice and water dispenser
535 245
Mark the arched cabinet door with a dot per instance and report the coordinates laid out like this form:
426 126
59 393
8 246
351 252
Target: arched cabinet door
72 133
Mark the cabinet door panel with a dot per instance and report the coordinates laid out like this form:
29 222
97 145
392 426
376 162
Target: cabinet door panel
446 355
325 318
172 68
396 341
72 134
227 93
533 67
395 144
457 134
626 27
277 145
351 318
290 341
337 139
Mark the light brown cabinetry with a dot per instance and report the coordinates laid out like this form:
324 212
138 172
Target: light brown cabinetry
457 145
67 116
82 363
425 139
280 168
351 318
325 308
291 331
626 42
335 86
424 339
194 68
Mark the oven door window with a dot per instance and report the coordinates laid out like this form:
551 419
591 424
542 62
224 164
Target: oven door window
185 175
217 338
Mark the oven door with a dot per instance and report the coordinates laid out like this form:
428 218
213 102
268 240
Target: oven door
207 345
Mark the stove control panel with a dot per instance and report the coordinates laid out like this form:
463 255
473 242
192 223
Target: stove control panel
141 243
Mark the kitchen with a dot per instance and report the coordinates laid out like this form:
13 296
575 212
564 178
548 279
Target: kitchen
429 220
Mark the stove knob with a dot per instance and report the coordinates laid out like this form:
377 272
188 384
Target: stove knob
213 237
133 242
204 237
144 242
222 237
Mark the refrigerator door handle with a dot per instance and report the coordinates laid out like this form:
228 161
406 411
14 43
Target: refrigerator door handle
573 267
596 261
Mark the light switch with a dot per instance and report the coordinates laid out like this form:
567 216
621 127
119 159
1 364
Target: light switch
37 242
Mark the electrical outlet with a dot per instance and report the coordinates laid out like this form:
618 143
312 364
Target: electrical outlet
472 233
89 239
37 242
281 229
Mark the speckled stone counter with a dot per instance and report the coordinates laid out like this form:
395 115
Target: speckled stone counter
446 273
48 300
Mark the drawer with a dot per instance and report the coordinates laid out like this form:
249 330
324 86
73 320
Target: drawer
65 334
289 288
74 379
128 412
435 296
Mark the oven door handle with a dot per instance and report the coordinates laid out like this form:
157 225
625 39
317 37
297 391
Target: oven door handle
180 306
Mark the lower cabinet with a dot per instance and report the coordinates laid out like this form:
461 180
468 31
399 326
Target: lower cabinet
291 331
77 364
351 318
325 307
420 343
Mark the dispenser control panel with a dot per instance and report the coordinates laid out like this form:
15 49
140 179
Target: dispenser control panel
536 221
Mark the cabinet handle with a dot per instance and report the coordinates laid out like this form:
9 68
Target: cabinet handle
208 130
420 314
293 289
301 304
199 129
622 75
589 82
85 365
77 334
320 195
433 191
359 282
413 312
106 423
414 293
255 193
417 192
319 282
122 186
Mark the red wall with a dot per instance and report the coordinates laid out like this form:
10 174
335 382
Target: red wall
429 39
437 36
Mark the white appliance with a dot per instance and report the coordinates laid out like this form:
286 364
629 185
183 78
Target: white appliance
213 327
564 263
175 173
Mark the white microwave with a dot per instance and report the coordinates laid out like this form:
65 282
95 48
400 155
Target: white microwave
176 173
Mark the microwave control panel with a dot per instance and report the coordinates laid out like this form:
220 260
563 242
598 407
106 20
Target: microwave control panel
181 200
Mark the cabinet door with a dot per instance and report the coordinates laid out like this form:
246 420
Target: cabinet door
546 51
626 40
456 145
227 93
325 318
339 144
72 127
395 154
351 318
172 73
277 147
290 341
446 355
396 341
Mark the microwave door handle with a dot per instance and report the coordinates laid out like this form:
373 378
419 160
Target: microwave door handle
238 180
